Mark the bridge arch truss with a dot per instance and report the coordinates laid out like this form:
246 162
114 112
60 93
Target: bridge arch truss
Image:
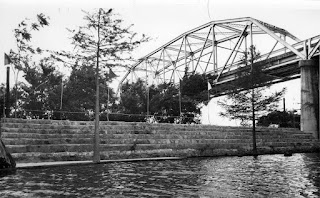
217 48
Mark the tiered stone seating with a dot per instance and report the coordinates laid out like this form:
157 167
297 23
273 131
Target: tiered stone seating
52 140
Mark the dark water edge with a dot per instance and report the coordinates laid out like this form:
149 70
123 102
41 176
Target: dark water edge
264 176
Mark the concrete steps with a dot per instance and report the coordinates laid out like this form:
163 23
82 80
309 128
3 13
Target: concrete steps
47 140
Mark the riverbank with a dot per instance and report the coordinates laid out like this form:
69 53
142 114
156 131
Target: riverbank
37 141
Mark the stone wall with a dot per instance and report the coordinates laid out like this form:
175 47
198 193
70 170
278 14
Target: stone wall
51 140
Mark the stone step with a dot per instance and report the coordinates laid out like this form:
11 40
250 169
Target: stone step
145 145
303 135
70 124
6 130
45 131
35 157
111 130
65 148
61 122
32 141
116 136
126 154
83 147
5 135
136 125
105 155
103 147
9 135
91 123
117 128
197 136
52 141
41 126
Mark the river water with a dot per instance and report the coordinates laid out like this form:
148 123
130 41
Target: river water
264 176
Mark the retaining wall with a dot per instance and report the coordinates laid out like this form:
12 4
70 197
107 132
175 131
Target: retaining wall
52 140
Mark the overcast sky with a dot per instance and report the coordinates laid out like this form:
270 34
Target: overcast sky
162 20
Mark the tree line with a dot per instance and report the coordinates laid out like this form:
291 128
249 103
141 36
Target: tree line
46 92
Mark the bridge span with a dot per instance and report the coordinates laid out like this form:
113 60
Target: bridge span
282 67
218 47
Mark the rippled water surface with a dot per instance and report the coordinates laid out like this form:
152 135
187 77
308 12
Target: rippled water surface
265 176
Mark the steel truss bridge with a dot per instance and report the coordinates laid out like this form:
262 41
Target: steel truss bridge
218 47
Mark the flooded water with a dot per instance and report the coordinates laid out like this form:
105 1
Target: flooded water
264 176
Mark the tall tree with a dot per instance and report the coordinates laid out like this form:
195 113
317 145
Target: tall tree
249 99
101 42
249 94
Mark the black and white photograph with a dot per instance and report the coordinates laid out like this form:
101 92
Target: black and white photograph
159 98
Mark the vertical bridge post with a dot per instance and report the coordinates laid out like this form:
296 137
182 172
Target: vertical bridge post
309 97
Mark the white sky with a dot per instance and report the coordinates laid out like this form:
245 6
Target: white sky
162 20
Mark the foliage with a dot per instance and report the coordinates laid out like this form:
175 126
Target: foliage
42 91
101 39
102 32
238 106
194 86
281 118
164 102
102 42
79 94
249 95
22 57
133 99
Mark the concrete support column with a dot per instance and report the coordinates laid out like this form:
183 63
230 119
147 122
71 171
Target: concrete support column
308 95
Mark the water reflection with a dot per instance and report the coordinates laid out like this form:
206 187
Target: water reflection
265 176
272 176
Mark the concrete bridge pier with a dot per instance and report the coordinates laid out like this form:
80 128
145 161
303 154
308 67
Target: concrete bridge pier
309 97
